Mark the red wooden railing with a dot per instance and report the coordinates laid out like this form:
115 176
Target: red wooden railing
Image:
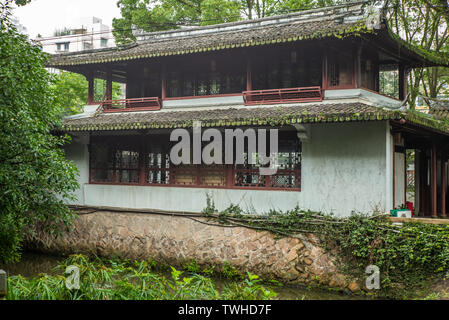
135 104
288 95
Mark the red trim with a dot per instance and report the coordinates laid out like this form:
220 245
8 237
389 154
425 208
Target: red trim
206 96
287 95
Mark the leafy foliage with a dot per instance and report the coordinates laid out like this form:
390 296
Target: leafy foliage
152 15
35 177
130 280
421 24
71 90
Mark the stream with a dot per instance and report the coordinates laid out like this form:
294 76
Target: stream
32 264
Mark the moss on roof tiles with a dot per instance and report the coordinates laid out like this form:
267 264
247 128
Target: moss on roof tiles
216 41
234 116
437 58
276 116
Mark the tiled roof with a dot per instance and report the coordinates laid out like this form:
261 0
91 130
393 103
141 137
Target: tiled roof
328 22
439 108
210 42
251 116
324 22
232 116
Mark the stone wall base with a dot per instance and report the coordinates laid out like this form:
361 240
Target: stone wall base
175 240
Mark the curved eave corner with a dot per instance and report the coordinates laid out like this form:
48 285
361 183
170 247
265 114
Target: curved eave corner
429 57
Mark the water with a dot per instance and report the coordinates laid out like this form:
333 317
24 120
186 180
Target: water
32 264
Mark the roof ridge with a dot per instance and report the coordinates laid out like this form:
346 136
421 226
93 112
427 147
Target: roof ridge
253 24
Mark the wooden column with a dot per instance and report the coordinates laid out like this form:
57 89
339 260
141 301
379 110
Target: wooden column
3 284
422 183
249 81
91 88
402 82
109 85
434 180
443 187
142 167
164 83
324 71
229 175
358 66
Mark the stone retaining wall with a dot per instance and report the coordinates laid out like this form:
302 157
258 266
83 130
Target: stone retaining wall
175 240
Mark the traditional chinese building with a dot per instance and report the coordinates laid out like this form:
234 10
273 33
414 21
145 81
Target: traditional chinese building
332 80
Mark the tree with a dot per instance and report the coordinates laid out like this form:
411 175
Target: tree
155 15
420 25
35 177
71 91
441 7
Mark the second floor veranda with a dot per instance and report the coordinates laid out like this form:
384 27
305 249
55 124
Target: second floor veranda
309 72
330 53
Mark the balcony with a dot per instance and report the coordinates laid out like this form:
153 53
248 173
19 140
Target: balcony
289 95
135 104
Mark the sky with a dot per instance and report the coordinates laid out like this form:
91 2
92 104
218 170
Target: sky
45 16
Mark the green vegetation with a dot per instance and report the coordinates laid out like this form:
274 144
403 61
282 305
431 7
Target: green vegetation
410 256
71 90
422 25
35 177
102 279
151 15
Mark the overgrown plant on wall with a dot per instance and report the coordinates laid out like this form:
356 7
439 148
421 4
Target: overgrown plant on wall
410 256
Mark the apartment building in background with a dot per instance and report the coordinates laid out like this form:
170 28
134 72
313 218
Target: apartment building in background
87 34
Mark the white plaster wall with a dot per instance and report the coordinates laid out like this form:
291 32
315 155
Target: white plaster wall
204 102
343 169
77 152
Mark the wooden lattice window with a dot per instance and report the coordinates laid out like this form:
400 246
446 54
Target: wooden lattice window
114 161
340 69
126 165
144 161
288 172
212 75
